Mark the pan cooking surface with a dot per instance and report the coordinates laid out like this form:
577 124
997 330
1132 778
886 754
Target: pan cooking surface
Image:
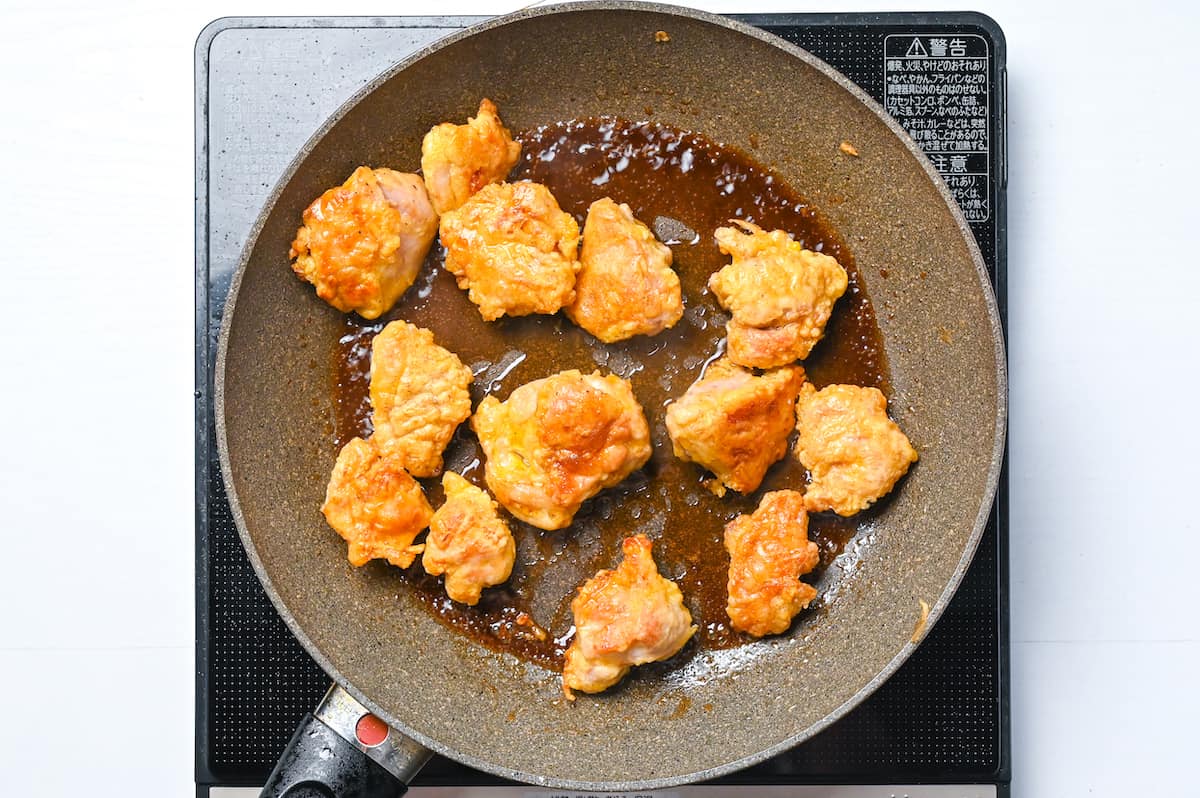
367 628
662 173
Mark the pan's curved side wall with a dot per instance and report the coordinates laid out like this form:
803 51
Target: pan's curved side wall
502 715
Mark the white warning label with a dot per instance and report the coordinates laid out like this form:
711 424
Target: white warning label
936 87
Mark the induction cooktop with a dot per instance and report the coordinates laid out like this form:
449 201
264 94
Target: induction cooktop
938 727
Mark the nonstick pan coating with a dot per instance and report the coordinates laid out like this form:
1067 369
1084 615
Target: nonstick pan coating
722 710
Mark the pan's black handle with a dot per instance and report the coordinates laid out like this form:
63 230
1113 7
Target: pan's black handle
343 751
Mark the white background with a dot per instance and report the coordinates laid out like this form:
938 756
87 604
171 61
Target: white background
96 329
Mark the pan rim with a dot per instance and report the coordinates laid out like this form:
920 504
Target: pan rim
999 437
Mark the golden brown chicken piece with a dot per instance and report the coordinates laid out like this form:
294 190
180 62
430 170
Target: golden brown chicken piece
513 249
779 293
768 552
626 286
734 423
363 242
419 396
375 505
458 160
558 441
853 451
624 617
468 541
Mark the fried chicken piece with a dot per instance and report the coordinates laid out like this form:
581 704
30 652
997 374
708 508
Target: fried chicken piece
734 423
853 451
363 242
513 249
468 541
768 552
558 441
779 293
626 286
458 160
375 505
419 396
624 617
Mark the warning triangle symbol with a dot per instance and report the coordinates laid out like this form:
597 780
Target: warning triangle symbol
916 49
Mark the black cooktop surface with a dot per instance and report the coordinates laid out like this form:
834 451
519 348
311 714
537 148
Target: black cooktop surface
263 86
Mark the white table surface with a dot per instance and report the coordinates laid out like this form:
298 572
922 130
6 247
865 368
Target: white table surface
96 329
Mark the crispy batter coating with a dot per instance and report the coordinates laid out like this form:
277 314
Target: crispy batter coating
375 505
853 451
768 552
419 396
468 541
779 293
458 160
558 441
626 286
734 423
513 249
624 617
363 242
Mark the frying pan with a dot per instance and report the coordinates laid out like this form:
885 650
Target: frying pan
435 688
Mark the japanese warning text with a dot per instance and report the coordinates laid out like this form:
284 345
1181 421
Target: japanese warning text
936 87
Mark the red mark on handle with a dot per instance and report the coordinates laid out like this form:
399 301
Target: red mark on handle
370 730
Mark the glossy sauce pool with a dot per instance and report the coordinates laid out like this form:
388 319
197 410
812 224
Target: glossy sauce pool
660 172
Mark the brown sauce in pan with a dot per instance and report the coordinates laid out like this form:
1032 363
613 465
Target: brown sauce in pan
660 172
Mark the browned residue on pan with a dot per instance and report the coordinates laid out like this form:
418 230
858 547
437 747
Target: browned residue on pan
919 629
691 185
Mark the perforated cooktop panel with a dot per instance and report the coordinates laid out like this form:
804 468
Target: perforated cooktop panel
265 85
